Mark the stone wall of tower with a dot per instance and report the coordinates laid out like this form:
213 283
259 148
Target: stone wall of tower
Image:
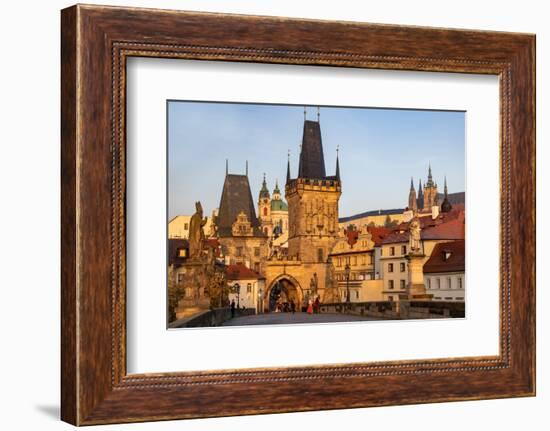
313 218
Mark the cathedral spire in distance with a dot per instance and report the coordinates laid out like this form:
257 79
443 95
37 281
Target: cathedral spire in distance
413 204
420 199
430 182
446 205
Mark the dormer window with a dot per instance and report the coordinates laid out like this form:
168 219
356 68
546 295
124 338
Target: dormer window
446 255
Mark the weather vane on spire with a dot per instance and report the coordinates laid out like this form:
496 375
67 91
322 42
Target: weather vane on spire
318 114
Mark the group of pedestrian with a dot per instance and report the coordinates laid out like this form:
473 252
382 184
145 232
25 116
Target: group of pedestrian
286 307
314 306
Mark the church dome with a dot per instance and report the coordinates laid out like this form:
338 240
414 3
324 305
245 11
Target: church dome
279 205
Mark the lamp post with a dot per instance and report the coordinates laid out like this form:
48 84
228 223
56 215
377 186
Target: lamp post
347 270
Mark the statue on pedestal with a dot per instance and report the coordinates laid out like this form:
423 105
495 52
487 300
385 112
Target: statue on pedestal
196 233
414 236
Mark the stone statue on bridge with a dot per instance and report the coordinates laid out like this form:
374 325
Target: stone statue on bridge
414 236
196 233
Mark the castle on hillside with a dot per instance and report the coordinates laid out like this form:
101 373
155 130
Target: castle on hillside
428 197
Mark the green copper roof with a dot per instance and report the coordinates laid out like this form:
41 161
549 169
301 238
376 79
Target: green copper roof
279 205
276 189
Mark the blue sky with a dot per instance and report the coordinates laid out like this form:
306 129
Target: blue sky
380 149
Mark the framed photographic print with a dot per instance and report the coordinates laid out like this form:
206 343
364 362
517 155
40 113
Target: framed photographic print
280 207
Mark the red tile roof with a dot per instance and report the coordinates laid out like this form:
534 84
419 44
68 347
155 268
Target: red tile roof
241 272
446 257
453 229
396 236
448 226
378 234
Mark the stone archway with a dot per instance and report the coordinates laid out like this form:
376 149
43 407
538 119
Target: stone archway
283 290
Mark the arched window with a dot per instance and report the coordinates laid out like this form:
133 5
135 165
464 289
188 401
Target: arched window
265 211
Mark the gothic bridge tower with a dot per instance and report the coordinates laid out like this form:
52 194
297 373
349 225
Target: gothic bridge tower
305 271
312 201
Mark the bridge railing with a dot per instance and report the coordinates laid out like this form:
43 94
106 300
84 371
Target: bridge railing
403 309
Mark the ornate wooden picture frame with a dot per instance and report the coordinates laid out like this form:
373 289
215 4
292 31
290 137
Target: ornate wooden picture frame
96 42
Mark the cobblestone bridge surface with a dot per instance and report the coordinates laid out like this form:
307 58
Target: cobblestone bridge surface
289 318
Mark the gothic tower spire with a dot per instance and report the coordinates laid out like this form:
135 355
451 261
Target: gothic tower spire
412 198
288 168
420 200
312 161
446 205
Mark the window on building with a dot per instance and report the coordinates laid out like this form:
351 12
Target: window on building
402 266
186 226
180 277
265 211
403 249
429 283
449 283
392 251
460 282
381 252
320 255
257 267
249 288
239 251
390 284
363 260
459 298
402 284
390 267
339 261
356 294
182 252
256 251
371 259
438 283
354 261
390 298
